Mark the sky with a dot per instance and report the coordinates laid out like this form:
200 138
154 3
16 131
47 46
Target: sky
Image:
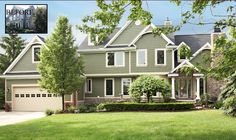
76 10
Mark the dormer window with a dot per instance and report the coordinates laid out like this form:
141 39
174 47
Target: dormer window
184 52
36 54
90 43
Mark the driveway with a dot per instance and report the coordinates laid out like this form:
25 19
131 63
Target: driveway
7 118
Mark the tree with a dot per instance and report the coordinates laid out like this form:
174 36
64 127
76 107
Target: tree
149 85
40 20
228 96
12 44
61 68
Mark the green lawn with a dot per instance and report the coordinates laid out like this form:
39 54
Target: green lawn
192 125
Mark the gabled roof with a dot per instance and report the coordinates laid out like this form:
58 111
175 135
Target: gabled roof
194 41
84 45
185 63
36 38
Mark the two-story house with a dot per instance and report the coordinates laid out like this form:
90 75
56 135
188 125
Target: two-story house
111 66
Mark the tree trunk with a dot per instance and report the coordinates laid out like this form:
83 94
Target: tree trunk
148 97
63 100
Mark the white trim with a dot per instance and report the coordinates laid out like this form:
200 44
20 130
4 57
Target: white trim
113 87
185 63
173 75
107 49
146 61
127 74
198 74
21 76
118 33
206 46
115 65
91 81
32 55
21 71
173 58
156 57
122 84
139 35
178 57
119 45
23 52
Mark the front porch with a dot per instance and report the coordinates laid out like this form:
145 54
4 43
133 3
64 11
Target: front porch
187 86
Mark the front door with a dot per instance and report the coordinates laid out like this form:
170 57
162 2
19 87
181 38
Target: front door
184 87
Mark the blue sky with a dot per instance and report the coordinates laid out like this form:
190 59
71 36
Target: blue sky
76 10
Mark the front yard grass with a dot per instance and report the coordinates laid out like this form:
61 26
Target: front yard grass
191 125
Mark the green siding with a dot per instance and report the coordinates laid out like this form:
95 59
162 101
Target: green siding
202 59
96 64
149 42
128 35
25 63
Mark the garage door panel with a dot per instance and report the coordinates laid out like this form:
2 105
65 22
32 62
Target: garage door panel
34 99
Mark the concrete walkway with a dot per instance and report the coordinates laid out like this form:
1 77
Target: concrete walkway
7 118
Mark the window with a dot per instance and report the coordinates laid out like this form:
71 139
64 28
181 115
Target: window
160 57
141 57
44 95
36 53
49 95
32 95
109 87
88 86
22 95
16 95
125 83
38 95
115 59
27 95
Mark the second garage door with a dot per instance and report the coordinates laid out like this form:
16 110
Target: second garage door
32 98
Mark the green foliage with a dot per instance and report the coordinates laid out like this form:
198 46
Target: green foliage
71 109
187 70
228 96
58 111
184 52
204 99
49 112
149 85
145 106
40 20
60 66
87 108
12 44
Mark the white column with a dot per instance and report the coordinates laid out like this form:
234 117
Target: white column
198 88
173 88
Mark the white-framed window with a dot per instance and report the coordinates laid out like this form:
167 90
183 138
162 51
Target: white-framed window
125 83
160 57
36 53
109 86
141 57
115 59
88 86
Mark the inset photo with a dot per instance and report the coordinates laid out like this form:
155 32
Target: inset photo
26 18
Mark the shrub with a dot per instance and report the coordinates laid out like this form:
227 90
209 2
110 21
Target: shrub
7 107
71 109
58 111
49 112
218 104
204 99
87 108
149 85
145 106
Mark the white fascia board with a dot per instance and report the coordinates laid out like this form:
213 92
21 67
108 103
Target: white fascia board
206 46
118 33
185 63
105 50
139 35
126 74
20 76
182 43
23 53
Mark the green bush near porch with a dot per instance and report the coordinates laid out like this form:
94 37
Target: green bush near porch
145 106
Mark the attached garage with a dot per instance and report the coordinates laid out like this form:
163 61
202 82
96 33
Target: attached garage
32 98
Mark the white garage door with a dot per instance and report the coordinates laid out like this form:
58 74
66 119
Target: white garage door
34 99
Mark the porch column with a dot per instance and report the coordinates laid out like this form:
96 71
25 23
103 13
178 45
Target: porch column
173 88
198 88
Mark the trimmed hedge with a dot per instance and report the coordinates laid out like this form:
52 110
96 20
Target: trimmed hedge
145 106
